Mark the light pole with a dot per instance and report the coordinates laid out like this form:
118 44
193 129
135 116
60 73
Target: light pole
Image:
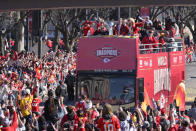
40 34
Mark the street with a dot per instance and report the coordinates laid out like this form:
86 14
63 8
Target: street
190 78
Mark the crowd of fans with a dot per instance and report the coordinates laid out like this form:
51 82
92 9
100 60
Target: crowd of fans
34 92
25 81
142 27
149 32
190 53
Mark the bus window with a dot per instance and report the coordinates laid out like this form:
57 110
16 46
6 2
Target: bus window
114 90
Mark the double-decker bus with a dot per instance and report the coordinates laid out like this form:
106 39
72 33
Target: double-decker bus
121 71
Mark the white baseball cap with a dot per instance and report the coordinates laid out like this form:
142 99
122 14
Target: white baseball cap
27 91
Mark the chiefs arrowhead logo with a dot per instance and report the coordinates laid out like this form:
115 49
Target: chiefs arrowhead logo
107 53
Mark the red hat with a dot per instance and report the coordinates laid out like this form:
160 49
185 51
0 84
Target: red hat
163 111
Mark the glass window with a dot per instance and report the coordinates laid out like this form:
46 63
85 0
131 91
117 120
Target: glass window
114 90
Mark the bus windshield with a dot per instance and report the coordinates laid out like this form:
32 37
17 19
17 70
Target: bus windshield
116 90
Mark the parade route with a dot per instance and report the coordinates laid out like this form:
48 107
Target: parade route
190 78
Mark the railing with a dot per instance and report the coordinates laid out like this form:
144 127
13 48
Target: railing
158 47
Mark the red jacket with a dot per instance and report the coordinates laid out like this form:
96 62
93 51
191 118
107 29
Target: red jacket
124 30
162 41
86 28
49 43
80 106
172 32
61 43
14 124
72 123
136 27
148 40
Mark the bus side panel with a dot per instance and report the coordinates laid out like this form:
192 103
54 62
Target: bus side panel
177 65
148 86
159 79
163 74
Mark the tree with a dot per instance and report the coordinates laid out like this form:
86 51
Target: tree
67 22
156 11
185 16
4 18
11 23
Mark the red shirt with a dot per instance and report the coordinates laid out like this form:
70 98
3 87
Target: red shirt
35 104
80 106
174 128
12 42
61 42
194 127
124 30
72 123
94 114
136 27
148 40
161 40
14 124
98 25
172 32
49 43
108 125
83 120
158 120
86 28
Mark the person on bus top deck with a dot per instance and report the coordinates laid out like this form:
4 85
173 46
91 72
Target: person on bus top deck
102 30
157 24
150 39
117 27
134 27
162 40
87 27
148 23
108 121
172 31
124 30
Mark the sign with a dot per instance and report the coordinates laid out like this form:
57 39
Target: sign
145 11
107 53
145 63
162 61
161 80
